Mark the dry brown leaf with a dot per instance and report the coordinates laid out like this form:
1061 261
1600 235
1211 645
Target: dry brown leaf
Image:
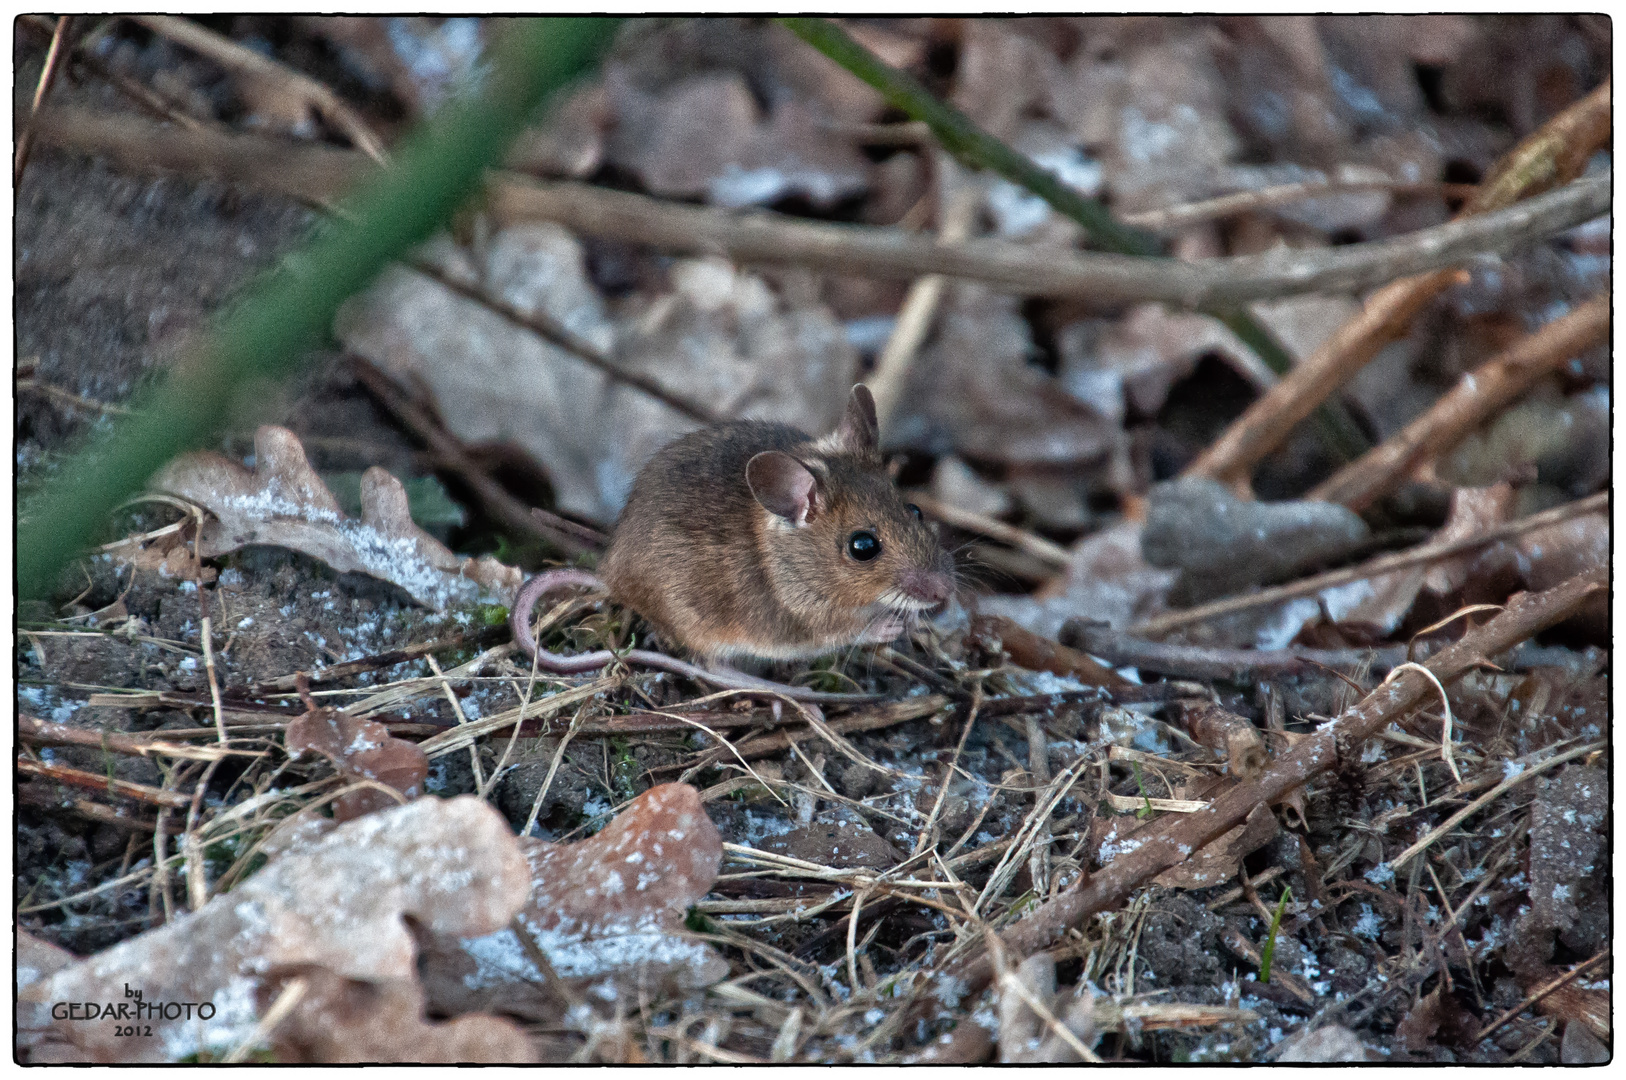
721 338
973 391
703 137
1156 109
283 502
1473 510
607 914
361 749
331 912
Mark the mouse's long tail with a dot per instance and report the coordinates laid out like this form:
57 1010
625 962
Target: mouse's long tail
519 622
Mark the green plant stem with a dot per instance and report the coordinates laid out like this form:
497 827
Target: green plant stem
267 334
977 149
1268 950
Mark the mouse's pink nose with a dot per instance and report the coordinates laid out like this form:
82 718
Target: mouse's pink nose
928 586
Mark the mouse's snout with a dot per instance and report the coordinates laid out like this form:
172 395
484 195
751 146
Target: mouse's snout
927 586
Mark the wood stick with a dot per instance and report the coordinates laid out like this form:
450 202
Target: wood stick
235 57
1384 564
1526 614
762 237
1205 662
971 521
90 781
38 732
1476 398
320 175
1556 152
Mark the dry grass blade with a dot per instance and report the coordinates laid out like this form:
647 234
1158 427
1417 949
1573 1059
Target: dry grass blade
971 521
1556 152
1243 202
959 202
1528 773
234 57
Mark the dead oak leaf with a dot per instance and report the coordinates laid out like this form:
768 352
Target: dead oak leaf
283 502
360 749
606 913
333 913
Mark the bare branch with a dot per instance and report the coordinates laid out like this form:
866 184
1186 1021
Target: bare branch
1478 396
1383 564
1557 151
1526 614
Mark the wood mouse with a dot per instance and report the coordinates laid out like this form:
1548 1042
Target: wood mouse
753 539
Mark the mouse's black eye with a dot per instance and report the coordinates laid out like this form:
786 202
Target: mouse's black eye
915 510
863 545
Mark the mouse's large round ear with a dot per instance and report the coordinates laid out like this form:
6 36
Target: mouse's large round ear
860 433
783 485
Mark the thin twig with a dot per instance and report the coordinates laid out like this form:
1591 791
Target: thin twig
890 253
1526 614
1556 152
1547 988
234 57
318 175
56 393
959 202
1241 202
53 63
90 781
450 454
1477 397
1434 551
1205 662
539 323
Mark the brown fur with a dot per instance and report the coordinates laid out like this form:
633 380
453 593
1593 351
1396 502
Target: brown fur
700 557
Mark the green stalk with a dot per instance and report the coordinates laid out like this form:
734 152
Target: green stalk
268 333
977 149
1268 950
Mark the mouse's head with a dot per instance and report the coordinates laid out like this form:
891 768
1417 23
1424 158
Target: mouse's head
841 544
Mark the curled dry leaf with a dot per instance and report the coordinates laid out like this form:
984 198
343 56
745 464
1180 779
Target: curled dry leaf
703 137
361 749
283 502
166 552
330 913
607 914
